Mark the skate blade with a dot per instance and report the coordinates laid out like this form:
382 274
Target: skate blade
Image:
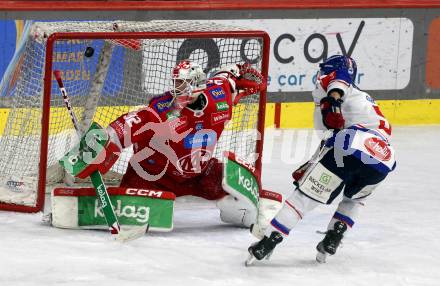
321 257
268 255
250 261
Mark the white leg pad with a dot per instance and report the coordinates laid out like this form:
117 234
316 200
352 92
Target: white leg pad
236 212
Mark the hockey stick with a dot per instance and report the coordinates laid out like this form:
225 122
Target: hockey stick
98 182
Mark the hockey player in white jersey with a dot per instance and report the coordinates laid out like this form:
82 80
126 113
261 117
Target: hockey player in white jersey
353 159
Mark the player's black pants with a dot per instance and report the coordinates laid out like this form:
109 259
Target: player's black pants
356 176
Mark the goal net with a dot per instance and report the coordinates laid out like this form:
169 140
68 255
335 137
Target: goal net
108 69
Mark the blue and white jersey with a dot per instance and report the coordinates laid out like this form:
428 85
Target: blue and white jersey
367 132
358 108
367 145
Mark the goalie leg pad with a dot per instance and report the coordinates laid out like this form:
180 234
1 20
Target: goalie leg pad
236 212
78 208
240 180
243 186
269 205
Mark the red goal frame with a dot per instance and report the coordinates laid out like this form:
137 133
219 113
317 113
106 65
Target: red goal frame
131 35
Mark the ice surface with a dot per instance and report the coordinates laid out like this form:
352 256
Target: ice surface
396 240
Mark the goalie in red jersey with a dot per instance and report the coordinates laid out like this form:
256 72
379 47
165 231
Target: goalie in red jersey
174 138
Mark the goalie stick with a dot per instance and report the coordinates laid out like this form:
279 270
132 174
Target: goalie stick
98 183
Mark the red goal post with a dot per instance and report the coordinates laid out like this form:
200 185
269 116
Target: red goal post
51 110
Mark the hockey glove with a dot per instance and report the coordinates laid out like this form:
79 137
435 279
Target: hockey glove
299 173
331 113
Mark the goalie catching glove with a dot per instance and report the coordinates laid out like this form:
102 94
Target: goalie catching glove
248 205
244 80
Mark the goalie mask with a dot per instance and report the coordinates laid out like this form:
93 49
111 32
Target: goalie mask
189 81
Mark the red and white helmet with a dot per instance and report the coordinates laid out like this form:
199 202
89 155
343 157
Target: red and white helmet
188 75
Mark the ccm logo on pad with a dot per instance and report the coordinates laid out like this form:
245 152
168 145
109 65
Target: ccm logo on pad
145 193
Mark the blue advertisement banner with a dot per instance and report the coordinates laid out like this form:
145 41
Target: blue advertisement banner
8 42
69 58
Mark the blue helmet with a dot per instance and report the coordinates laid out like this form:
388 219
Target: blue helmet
339 63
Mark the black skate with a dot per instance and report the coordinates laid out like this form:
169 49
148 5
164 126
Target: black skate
263 248
331 241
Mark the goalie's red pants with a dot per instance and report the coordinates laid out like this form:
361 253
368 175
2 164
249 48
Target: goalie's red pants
207 185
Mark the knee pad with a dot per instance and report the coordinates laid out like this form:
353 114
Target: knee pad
236 212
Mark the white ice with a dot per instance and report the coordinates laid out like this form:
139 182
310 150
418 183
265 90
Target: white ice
395 241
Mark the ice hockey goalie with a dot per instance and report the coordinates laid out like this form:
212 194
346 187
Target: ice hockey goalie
174 137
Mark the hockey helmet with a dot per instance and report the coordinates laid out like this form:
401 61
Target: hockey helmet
339 63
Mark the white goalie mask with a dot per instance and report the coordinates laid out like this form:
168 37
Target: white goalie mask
189 81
